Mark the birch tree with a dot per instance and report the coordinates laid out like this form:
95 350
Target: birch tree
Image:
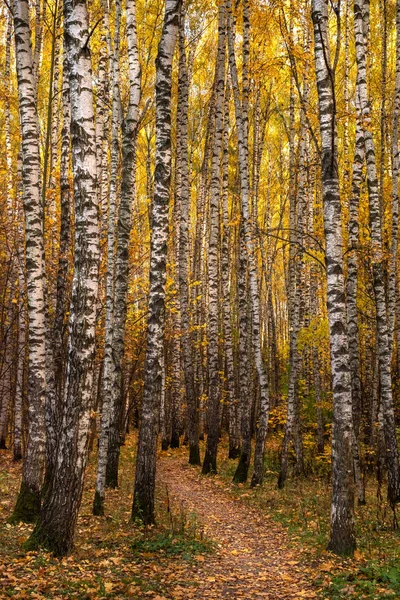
56 524
234 416
342 538
352 287
361 27
242 132
183 198
28 502
213 406
98 504
143 501
130 124
393 293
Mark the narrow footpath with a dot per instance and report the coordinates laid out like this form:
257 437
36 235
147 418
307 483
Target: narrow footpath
252 559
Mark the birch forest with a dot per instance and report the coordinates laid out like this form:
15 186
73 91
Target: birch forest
199 299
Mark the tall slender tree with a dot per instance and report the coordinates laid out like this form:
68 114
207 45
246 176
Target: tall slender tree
248 228
183 198
342 539
130 125
361 29
107 408
56 524
28 502
143 501
213 407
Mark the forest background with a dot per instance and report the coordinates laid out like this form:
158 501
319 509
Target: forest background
199 239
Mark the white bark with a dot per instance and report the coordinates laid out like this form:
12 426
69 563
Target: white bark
29 499
108 382
242 127
124 225
342 539
56 525
143 503
213 406
361 27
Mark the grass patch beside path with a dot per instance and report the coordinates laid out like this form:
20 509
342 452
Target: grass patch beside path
168 544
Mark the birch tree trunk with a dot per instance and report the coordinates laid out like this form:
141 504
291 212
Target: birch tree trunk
342 538
62 285
21 354
246 403
183 197
20 385
28 501
56 525
242 128
143 501
107 408
233 408
351 293
124 226
293 299
393 283
213 406
17 261
102 98
361 26
198 266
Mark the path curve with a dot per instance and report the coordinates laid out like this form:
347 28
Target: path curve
253 559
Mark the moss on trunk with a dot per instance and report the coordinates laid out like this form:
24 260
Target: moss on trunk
27 508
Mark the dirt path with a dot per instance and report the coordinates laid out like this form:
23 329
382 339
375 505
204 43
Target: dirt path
252 559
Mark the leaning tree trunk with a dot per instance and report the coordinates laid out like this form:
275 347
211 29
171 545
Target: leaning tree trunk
28 502
361 26
143 501
56 525
342 539
213 406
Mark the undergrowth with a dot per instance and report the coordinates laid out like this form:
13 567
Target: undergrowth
303 509
169 544
113 557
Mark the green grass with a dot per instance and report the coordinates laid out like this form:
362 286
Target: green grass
169 544
372 581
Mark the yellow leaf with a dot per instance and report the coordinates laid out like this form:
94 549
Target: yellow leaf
327 566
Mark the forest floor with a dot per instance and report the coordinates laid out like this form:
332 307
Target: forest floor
252 558
213 540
